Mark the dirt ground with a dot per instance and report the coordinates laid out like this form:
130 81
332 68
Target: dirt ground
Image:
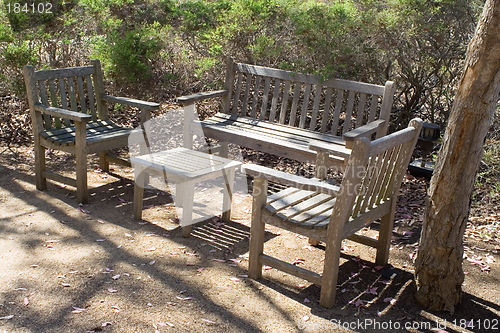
66 268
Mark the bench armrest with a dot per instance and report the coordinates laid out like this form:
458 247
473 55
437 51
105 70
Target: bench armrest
287 179
363 131
190 99
63 113
132 102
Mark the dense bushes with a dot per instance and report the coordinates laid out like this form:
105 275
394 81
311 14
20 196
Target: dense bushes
184 44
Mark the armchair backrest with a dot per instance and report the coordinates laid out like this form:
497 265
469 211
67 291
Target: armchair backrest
373 176
78 89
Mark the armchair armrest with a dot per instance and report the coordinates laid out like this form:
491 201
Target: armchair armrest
190 99
290 180
62 113
363 131
132 102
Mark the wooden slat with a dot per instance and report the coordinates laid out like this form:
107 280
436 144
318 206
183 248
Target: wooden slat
53 99
305 106
326 110
256 90
274 101
338 108
63 72
228 86
90 94
81 94
278 128
72 94
372 188
237 91
288 201
265 98
348 112
248 83
304 206
315 109
365 240
388 174
310 79
373 108
284 102
361 110
301 218
59 178
295 103
64 98
369 169
281 194
43 96
290 269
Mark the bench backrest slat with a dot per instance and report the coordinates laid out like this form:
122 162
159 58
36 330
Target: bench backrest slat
284 105
306 101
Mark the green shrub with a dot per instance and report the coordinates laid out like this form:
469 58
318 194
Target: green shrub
128 55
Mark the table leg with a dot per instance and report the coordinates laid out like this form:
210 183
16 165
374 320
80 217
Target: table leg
228 193
179 195
187 207
140 177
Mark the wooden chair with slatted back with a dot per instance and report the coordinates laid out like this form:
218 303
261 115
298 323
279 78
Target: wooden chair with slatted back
69 113
330 213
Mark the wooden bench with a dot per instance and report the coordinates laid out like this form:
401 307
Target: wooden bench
69 113
281 112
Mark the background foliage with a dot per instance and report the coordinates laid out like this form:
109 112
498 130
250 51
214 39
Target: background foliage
183 45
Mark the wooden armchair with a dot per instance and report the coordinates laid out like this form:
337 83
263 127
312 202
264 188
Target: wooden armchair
332 213
71 116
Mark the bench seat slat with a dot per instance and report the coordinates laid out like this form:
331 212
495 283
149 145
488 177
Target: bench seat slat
98 131
278 128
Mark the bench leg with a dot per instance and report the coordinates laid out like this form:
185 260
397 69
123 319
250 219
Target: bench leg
81 162
139 184
41 181
187 207
103 162
321 173
224 149
384 238
257 229
331 269
228 194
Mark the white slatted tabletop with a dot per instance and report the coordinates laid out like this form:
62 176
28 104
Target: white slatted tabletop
183 163
186 168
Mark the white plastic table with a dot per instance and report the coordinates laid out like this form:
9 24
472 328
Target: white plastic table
186 168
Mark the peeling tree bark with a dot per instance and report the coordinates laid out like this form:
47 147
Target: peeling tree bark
438 268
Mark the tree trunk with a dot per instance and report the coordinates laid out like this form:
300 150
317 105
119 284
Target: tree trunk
438 268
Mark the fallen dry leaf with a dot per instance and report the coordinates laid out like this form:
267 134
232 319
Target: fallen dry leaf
77 309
